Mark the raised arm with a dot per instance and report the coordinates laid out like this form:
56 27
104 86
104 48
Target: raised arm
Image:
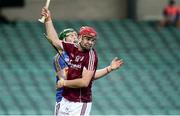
50 30
115 64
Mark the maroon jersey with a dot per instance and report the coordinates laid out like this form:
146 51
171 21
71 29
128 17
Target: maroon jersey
77 61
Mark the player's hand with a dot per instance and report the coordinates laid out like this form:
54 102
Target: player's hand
116 63
46 13
61 74
60 83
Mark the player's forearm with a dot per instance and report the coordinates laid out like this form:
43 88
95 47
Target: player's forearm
76 83
52 34
102 72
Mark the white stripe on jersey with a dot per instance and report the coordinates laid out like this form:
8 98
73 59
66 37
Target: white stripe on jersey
91 60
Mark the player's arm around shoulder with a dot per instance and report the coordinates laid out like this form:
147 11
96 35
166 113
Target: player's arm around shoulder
77 83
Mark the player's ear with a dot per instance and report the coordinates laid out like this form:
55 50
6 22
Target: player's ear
80 38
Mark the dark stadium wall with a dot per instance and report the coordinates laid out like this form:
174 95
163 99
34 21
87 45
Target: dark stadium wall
90 9
131 9
70 9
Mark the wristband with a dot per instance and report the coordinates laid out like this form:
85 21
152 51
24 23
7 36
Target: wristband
107 70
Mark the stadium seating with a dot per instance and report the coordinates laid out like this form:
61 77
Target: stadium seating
147 83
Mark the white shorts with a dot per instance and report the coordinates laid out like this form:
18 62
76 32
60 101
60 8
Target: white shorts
68 108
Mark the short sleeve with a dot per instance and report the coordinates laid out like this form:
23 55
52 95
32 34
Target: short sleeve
92 61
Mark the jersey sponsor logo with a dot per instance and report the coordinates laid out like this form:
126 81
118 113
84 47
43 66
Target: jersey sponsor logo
73 65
